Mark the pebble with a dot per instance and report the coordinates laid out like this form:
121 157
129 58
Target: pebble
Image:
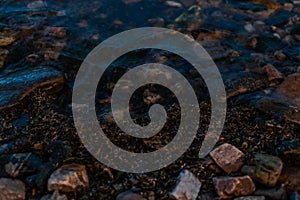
19 164
272 193
173 4
54 196
228 187
250 198
264 169
11 189
249 28
228 157
129 195
188 186
5 41
272 72
68 178
279 55
37 4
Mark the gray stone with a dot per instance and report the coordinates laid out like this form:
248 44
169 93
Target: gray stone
68 178
129 195
228 187
188 186
228 157
11 189
250 198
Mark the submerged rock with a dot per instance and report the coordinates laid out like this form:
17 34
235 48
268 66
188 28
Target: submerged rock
188 186
228 187
11 189
228 157
264 169
15 86
68 178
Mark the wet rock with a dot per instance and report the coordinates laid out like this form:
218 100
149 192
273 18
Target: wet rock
272 72
250 198
129 195
295 196
290 89
290 178
289 149
19 164
268 42
16 86
5 41
68 178
188 186
228 157
273 193
264 169
279 18
11 189
54 196
228 187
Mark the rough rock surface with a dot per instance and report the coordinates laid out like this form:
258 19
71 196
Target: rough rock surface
11 189
228 187
228 157
188 186
68 178
16 86
264 169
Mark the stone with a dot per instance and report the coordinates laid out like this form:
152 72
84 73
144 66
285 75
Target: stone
272 72
19 164
173 4
3 55
129 195
37 4
272 193
290 178
68 178
188 186
5 41
289 149
295 196
54 196
289 88
228 187
279 56
228 157
15 86
265 169
250 198
11 189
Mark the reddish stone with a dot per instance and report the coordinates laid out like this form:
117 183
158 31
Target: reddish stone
228 187
228 157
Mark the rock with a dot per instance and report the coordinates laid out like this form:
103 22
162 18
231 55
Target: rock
15 86
68 178
129 195
279 18
290 89
228 187
249 28
54 196
19 164
5 41
289 149
228 157
173 4
295 196
264 169
39 179
290 178
272 193
272 72
250 198
58 150
11 189
279 55
131 1
188 186
37 4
